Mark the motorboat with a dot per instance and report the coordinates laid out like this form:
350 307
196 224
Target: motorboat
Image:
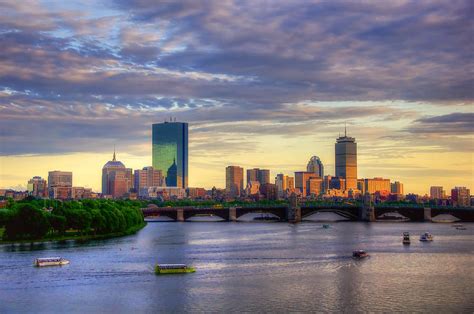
426 237
359 254
406 238
51 261
326 226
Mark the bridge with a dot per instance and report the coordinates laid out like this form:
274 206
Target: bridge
286 213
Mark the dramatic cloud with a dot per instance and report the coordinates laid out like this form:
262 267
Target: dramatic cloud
77 78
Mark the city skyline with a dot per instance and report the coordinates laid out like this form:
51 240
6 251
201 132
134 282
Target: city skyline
77 79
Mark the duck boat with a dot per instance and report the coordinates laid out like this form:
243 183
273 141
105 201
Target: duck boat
50 261
161 269
359 254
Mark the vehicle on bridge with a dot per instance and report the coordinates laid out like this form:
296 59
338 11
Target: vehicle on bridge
426 237
406 238
162 269
360 254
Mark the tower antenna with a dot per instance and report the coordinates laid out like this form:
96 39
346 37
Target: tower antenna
345 130
114 154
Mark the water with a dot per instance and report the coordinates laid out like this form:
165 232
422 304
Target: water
271 267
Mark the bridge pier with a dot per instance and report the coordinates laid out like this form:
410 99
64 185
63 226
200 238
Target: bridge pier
232 214
427 214
367 212
293 211
180 215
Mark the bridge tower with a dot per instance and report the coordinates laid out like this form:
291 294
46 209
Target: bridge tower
368 211
293 211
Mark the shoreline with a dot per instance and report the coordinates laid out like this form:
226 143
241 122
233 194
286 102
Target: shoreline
79 238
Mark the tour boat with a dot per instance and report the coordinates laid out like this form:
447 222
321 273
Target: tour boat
51 261
360 254
161 269
426 237
406 238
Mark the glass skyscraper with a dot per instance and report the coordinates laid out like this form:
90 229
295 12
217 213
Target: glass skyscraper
346 160
170 152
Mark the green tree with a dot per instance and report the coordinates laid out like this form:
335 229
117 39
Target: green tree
27 222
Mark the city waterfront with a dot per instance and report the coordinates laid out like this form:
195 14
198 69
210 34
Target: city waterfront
271 267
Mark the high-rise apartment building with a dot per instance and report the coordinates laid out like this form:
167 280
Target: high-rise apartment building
170 152
437 192
116 178
346 160
301 181
147 177
60 184
315 165
260 175
37 187
284 184
396 188
234 180
377 185
461 196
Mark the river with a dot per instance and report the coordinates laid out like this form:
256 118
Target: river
271 267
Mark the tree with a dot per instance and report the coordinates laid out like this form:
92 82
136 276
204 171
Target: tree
28 222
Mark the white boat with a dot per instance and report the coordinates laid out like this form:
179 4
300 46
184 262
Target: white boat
359 254
51 261
425 237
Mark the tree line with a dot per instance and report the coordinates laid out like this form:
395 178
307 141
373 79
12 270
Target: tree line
36 219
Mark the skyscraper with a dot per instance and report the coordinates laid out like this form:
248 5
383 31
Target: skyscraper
461 196
170 152
346 160
60 184
116 178
396 188
315 165
37 187
260 175
234 180
437 192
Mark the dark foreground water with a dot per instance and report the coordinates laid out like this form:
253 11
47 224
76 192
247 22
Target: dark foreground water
271 267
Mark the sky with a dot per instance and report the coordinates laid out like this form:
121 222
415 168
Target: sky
261 83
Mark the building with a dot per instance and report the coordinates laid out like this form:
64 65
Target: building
116 178
314 186
60 184
170 152
253 187
269 191
337 183
361 185
37 187
234 180
301 181
437 193
260 175
461 196
396 188
79 193
285 185
346 160
315 165
147 177
376 185
196 193
163 192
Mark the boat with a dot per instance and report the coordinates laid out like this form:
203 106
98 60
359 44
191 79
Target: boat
406 238
426 237
161 269
51 261
326 226
457 225
359 254
461 228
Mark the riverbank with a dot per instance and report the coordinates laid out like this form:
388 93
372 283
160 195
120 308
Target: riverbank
76 237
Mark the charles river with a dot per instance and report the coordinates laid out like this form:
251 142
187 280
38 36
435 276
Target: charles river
248 266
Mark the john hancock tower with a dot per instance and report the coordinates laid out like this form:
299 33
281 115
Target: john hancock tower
170 152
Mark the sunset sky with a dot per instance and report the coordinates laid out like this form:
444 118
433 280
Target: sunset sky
261 83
